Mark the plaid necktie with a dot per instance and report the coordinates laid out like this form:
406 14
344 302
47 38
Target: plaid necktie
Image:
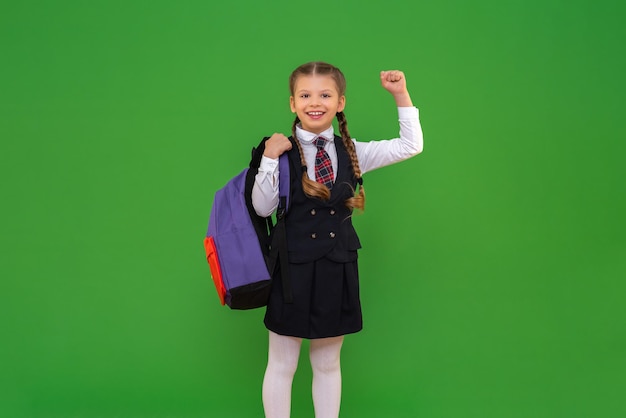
323 166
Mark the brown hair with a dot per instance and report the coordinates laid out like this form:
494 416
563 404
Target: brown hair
312 188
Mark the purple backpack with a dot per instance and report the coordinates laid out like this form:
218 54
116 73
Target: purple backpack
241 255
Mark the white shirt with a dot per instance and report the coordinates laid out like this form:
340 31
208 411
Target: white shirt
371 155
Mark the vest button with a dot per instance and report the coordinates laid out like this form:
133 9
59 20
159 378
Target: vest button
313 235
332 211
313 212
332 235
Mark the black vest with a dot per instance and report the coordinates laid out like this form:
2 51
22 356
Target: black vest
316 228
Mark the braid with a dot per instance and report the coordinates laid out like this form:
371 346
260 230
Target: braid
357 201
311 188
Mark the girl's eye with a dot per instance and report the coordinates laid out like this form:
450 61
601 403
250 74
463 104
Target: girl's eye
326 95
305 96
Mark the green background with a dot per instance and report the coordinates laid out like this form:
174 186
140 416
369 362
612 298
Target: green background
493 264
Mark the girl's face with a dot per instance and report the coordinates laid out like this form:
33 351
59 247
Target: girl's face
316 101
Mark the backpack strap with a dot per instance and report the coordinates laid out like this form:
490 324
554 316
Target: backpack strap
279 251
261 224
283 181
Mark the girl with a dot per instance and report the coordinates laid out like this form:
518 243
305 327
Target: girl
321 240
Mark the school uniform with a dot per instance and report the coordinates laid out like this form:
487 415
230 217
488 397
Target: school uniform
321 239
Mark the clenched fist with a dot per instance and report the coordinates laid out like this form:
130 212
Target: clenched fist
394 82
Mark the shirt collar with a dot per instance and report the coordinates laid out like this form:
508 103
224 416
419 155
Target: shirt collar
307 137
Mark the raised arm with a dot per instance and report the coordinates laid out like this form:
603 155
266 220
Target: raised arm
376 154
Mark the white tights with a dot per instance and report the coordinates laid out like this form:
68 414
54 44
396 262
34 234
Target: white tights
282 363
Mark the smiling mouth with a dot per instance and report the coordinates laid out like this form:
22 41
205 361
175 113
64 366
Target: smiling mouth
315 114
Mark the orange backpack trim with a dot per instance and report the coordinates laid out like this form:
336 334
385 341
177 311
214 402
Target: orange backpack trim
216 271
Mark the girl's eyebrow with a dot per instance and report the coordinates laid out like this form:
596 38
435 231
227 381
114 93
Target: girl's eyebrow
321 91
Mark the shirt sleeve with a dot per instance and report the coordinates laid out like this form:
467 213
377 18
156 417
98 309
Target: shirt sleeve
265 188
376 154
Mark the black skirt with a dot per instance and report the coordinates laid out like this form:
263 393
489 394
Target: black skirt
325 304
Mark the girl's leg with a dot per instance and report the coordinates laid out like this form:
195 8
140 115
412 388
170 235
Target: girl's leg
325 353
282 362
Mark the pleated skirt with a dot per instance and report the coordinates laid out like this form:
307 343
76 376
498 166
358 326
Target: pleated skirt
326 301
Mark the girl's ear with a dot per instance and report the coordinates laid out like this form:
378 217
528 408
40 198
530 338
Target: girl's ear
342 104
292 104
